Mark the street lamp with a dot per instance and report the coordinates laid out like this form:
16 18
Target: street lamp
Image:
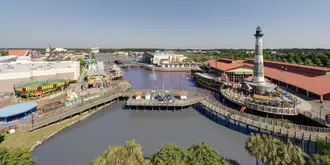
32 121
320 112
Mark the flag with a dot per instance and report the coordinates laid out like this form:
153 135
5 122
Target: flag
242 109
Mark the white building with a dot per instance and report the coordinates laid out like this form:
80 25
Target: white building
14 72
121 53
95 50
166 57
7 59
60 50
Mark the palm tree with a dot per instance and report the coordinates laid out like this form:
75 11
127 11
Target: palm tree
255 147
272 151
298 156
271 147
283 155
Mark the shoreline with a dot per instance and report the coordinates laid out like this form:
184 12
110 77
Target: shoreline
79 118
31 140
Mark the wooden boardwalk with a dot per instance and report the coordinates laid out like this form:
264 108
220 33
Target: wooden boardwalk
206 100
191 99
105 97
288 130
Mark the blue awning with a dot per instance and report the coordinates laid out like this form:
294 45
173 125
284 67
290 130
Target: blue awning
17 109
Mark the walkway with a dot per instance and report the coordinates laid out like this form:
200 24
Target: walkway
106 95
207 100
192 98
288 130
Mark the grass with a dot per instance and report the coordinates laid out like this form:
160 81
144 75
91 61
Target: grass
27 140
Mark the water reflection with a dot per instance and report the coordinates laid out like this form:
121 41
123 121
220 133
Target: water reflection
82 142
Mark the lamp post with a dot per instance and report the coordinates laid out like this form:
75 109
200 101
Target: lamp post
320 112
32 121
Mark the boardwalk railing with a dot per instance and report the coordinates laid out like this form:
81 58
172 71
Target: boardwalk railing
286 129
263 108
207 100
76 109
132 102
271 121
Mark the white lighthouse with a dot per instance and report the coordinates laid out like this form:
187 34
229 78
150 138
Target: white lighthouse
258 68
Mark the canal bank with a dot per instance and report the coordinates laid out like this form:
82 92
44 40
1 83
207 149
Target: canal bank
83 141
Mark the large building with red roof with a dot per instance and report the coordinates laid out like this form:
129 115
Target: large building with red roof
313 81
18 52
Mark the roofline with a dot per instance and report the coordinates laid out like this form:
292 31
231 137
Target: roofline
297 65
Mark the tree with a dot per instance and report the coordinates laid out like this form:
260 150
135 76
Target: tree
298 61
130 154
320 159
82 62
203 153
271 150
198 59
324 153
255 147
200 154
15 157
170 154
308 62
324 146
317 61
3 53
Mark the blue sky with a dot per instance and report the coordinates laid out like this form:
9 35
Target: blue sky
164 23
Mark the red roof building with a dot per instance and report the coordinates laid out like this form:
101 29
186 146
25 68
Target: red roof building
18 52
312 80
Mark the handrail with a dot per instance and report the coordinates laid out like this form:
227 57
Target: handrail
268 120
205 99
263 108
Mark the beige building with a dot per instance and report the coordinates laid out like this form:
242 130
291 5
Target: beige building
14 73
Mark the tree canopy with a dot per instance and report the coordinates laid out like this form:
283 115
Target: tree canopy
323 157
200 154
271 150
203 153
82 62
310 57
14 156
130 154
169 154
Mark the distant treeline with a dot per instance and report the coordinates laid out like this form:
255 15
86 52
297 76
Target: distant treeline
311 57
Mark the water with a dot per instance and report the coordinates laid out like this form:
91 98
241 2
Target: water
80 143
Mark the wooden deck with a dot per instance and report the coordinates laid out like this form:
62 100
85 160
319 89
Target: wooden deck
191 99
206 100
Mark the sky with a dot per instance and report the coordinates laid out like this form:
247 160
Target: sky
199 24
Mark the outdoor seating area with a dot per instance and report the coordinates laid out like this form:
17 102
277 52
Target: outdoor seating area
277 98
163 96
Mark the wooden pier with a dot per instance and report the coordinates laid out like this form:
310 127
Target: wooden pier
198 100
192 98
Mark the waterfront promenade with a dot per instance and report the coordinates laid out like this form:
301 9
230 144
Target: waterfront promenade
105 96
212 106
192 98
205 100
